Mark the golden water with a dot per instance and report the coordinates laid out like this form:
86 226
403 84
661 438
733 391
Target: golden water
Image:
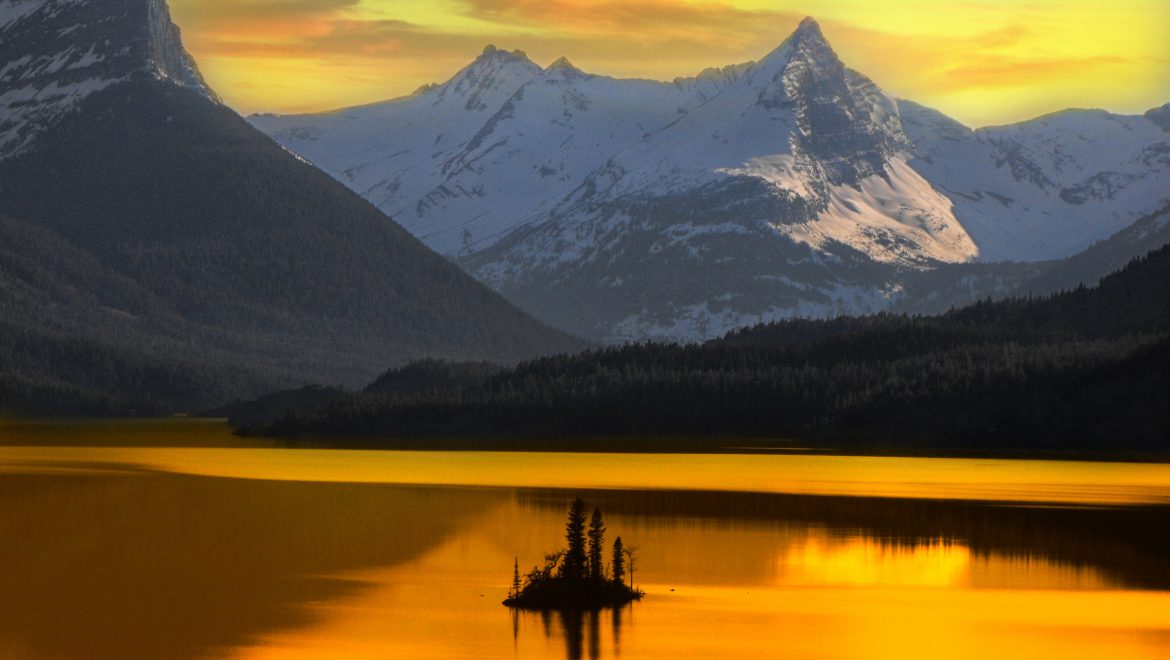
201 550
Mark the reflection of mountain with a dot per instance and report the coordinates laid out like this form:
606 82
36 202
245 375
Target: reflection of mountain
165 566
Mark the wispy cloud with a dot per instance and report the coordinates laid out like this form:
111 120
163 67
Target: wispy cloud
286 54
999 72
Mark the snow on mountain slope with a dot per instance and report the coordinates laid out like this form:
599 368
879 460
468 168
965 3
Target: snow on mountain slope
787 194
462 164
397 154
791 186
54 53
817 134
1160 116
539 146
1045 188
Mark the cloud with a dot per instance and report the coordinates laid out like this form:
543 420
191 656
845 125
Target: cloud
992 71
353 51
638 20
356 38
349 27
214 12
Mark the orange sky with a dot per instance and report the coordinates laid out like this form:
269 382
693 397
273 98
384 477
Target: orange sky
981 61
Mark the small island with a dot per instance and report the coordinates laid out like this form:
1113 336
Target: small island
576 578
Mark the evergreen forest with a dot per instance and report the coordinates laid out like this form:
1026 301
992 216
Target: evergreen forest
1087 369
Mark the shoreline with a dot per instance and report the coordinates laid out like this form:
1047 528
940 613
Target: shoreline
183 432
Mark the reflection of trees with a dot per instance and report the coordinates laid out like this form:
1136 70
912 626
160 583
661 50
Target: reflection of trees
616 618
582 631
1129 543
573 623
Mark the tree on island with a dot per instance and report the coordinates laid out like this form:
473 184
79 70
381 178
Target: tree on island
630 551
573 579
596 539
574 565
516 584
619 562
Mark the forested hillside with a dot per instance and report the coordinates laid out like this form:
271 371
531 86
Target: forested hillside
1086 369
155 224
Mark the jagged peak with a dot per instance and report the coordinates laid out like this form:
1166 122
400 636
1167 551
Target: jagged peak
564 66
809 28
730 71
131 37
808 41
167 58
74 48
424 88
492 54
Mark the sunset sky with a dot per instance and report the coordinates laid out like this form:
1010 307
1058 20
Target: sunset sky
981 61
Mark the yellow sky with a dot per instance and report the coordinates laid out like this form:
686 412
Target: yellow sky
980 61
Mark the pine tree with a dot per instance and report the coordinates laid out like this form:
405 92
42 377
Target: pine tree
574 565
619 561
516 577
596 539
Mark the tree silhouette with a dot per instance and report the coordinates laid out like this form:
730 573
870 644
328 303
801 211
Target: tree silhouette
630 551
596 539
574 565
580 581
619 561
515 577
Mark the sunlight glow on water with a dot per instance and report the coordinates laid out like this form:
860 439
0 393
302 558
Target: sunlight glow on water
945 478
265 554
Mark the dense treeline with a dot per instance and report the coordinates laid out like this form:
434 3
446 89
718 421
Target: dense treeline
45 373
1085 369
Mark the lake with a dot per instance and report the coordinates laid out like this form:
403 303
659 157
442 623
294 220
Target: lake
173 539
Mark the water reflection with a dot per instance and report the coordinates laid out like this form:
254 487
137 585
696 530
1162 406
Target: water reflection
162 566
581 631
1127 545
113 561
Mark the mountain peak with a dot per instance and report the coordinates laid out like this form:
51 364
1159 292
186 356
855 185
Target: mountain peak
808 35
807 42
54 53
810 28
493 54
489 80
563 66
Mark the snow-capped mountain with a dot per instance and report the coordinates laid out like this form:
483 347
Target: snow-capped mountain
1048 187
464 163
787 193
55 53
792 186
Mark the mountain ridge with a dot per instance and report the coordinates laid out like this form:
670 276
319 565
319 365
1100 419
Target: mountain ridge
824 191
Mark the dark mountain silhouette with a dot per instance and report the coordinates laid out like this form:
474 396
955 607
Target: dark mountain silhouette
158 253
